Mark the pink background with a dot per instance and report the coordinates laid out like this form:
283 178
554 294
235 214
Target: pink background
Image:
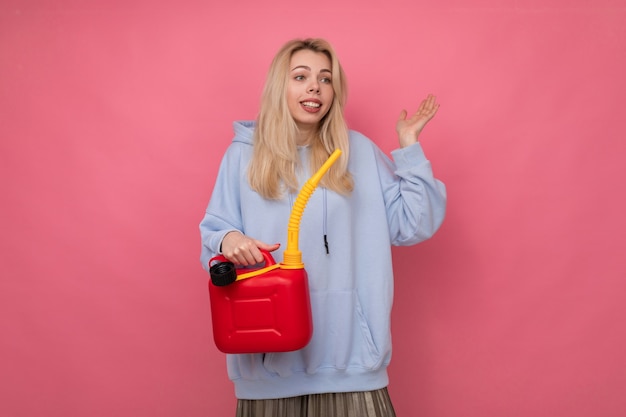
114 116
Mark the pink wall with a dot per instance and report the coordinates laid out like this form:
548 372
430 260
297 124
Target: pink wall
113 118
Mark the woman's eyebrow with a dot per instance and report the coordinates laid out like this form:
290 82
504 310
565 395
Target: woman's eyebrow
309 69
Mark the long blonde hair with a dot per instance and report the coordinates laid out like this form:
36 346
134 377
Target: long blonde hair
272 170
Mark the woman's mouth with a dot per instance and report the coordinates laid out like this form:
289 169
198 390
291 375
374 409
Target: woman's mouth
311 106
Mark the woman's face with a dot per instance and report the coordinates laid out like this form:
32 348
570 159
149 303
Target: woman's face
309 90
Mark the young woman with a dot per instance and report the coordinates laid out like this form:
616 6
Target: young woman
366 203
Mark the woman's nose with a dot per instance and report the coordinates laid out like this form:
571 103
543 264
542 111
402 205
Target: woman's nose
314 87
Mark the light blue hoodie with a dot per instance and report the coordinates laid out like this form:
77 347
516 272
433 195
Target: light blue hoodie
395 202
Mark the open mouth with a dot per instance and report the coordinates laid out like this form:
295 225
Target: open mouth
311 106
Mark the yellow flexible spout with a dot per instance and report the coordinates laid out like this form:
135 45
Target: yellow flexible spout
292 257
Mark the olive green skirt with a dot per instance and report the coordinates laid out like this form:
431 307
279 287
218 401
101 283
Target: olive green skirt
344 404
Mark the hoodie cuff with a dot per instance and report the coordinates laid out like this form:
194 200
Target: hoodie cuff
409 156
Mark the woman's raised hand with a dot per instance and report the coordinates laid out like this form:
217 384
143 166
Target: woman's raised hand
409 128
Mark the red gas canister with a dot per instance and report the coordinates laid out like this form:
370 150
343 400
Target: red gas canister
270 312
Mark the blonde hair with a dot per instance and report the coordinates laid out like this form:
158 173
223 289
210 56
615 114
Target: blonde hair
272 169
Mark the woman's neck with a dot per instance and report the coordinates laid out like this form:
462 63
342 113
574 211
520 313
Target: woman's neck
305 137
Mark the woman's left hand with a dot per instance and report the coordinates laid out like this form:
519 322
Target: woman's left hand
409 128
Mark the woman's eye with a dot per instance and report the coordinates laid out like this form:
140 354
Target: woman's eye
326 80
299 77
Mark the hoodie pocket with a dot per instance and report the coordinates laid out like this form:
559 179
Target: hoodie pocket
342 338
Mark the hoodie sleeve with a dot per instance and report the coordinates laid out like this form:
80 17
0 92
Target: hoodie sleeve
415 200
223 213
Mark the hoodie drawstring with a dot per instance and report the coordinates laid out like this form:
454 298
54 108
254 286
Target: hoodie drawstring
324 223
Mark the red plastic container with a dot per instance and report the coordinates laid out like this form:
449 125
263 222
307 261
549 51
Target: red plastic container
269 312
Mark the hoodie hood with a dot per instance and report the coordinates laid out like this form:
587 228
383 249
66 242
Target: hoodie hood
244 131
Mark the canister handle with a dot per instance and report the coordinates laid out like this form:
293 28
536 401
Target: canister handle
267 258
242 273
